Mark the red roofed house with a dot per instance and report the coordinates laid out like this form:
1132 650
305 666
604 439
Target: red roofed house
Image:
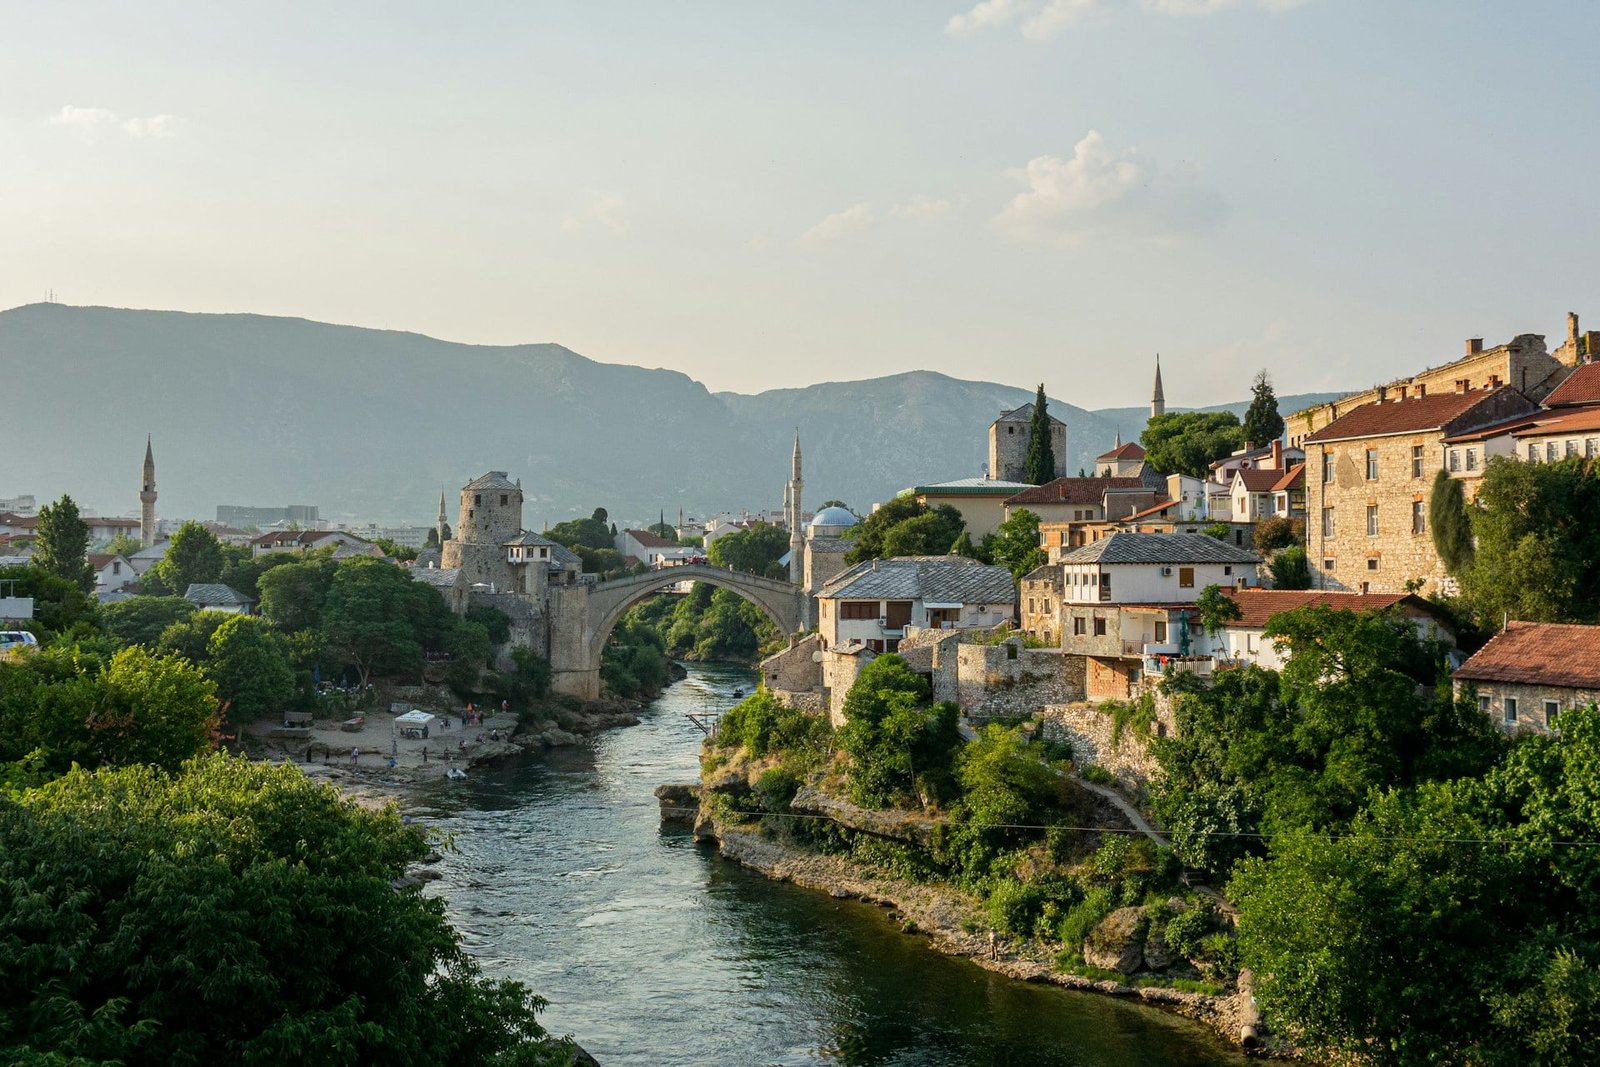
651 549
345 544
1244 640
1123 461
1530 672
1368 474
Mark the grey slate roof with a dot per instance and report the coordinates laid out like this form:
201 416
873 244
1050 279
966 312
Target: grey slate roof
214 595
492 480
527 537
954 579
561 554
438 577
1159 548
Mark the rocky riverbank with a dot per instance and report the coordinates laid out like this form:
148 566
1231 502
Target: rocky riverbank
949 918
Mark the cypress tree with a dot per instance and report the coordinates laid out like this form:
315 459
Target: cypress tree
1041 454
1449 522
1262 423
62 544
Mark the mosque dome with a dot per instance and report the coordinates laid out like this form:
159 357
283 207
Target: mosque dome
837 517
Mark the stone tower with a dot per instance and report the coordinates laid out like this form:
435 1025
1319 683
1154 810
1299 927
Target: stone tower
147 498
1008 445
797 548
1158 400
490 515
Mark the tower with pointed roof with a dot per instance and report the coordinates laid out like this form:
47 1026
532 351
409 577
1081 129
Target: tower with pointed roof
147 498
1158 399
440 525
797 562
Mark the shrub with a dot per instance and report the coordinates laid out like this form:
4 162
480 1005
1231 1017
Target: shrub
1084 917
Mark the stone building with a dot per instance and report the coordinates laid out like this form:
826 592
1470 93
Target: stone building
1522 363
1530 672
1008 445
1368 474
490 516
826 547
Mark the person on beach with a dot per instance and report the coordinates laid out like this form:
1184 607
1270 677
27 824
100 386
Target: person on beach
994 945
424 755
355 755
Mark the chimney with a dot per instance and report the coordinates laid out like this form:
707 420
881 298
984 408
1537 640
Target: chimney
1277 454
1383 393
1422 390
1405 392
1494 381
1474 345
1462 383
1572 327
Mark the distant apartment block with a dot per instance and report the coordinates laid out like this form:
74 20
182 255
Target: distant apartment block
243 516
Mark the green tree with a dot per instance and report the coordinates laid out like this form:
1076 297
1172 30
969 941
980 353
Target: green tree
1290 569
242 570
1262 423
592 533
293 595
1278 531
471 650
195 555
1448 521
1218 530
1537 528
122 545
900 749
250 664
1014 543
61 544
754 551
190 636
834 504
1041 463
662 528
378 619
140 620
171 919
1186 442
61 606
1216 608
395 550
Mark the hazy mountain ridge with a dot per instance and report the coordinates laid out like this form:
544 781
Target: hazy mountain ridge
373 424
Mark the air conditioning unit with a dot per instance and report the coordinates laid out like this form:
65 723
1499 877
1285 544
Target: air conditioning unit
1166 572
883 620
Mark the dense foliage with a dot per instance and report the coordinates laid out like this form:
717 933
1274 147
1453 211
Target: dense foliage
900 748
1448 522
754 551
904 527
1186 442
61 543
1014 544
61 607
232 913
1290 569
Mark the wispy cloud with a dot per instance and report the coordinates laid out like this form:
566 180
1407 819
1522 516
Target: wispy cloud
91 122
1041 19
606 211
921 208
839 225
1100 191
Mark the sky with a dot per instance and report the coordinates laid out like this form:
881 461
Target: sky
766 195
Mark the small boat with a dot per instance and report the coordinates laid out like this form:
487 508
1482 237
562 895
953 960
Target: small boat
738 692
456 774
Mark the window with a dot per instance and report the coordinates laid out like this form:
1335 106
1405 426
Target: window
1238 538
1046 608
1511 709
505 499
1572 449
1472 459
858 609
1327 522
1455 460
1099 627
1372 464
1078 626
1228 569
1550 452
1589 447
116 566
1416 461
1366 587
1327 564
1327 467
1419 521
1372 563
1030 605
1552 708
1185 577
1533 452
1161 631
1105 587
1483 704
1372 520
477 498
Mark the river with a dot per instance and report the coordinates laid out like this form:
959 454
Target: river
655 952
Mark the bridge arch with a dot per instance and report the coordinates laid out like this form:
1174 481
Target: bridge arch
785 604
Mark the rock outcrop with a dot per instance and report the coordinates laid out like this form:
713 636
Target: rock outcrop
1117 944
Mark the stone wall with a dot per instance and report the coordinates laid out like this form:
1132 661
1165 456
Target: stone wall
794 675
1530 700
1089 729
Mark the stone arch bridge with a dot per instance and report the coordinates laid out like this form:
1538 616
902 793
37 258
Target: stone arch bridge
586 614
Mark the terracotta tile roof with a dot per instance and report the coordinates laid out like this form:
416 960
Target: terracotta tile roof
1259 480
1147 512
1581 387
1131 450
1566 420
1072 491
1538 653
1293 477
96 520
1257 606
1435 411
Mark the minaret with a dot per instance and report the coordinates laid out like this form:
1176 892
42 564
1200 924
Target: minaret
1158 400
440 523
147 498
797 562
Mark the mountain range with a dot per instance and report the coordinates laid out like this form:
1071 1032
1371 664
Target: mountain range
372 425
